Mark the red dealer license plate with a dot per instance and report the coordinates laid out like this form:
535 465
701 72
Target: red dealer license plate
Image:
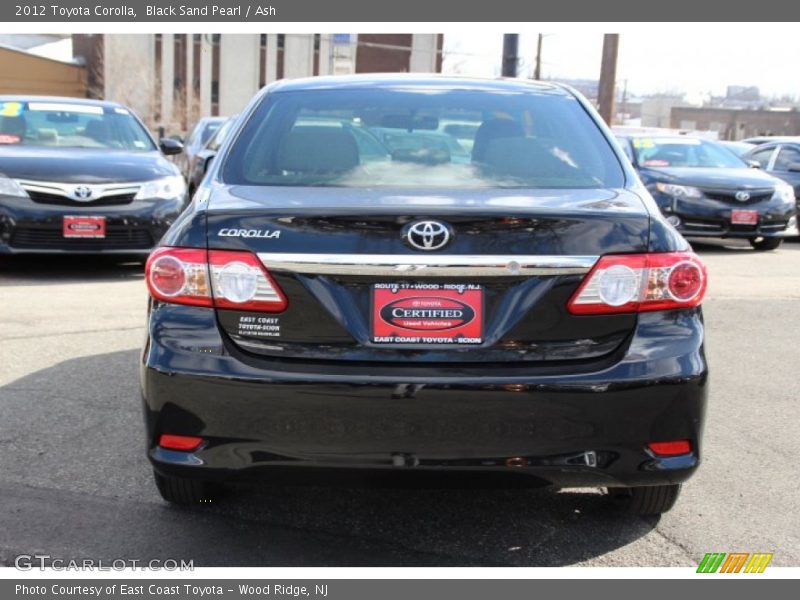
427 313
744 217
84 227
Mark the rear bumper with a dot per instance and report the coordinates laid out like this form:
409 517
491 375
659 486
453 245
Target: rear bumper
705 217
570 429
27 227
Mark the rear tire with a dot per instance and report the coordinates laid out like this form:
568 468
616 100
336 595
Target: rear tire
647 500
764 244
184 491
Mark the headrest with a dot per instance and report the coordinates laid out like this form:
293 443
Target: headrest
315 149
97 129
523 157
490 130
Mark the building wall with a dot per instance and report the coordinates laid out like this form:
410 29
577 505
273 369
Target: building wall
424 53
238 71
383 53
128 72
298 55
657 112
24 73
732 124
148 73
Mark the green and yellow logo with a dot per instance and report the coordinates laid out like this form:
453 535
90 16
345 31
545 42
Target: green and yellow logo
734 562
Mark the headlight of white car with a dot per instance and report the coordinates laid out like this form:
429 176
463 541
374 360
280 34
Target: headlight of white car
9 187
785 192
679 191
165 188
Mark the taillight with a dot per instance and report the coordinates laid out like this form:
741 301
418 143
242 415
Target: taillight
179 276
641 282
221 278
240 282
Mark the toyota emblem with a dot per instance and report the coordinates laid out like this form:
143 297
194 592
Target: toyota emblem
82 192
743 196
427 235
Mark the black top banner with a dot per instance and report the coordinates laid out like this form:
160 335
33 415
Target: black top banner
349 11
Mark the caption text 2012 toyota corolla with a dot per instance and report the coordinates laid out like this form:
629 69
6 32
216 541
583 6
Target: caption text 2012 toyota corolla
424 273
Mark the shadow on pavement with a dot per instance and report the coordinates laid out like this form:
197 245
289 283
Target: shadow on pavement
730 246
76 483
45 269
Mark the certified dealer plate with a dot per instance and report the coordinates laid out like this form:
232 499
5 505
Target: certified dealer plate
84 227
744 217
427 313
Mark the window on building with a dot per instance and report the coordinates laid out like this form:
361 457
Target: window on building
197 57
215 69
159 40
262 52
179 91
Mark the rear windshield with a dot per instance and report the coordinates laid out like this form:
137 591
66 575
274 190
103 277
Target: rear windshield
422 138
67 125
683 152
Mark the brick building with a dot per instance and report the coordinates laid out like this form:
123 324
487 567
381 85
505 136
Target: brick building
736 124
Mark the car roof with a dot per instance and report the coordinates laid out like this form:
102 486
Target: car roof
207 120
669 137
417 80
770 139
781 142
61 100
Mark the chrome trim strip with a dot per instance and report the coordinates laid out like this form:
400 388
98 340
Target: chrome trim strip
66 189
441 265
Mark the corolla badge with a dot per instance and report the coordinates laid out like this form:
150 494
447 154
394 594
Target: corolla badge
82 192
742 196
264 234
427 235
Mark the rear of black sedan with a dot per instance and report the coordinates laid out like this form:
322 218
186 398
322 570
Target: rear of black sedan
82 177
345 291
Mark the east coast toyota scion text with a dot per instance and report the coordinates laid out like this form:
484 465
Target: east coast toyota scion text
424 273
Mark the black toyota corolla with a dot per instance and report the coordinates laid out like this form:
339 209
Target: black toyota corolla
82 176
705 190
337 299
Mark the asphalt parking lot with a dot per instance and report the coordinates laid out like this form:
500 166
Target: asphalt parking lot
74 482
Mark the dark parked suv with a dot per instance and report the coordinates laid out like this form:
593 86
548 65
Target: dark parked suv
329 303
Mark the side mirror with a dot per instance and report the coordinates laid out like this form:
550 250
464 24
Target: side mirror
753 164
178 138
794 167
170 146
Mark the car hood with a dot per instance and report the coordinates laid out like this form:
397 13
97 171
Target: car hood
744 178
74 165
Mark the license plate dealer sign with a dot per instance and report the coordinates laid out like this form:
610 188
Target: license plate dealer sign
84 227
427 313
744 217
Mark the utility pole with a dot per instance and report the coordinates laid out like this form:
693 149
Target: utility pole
510 54
608 74
537 72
